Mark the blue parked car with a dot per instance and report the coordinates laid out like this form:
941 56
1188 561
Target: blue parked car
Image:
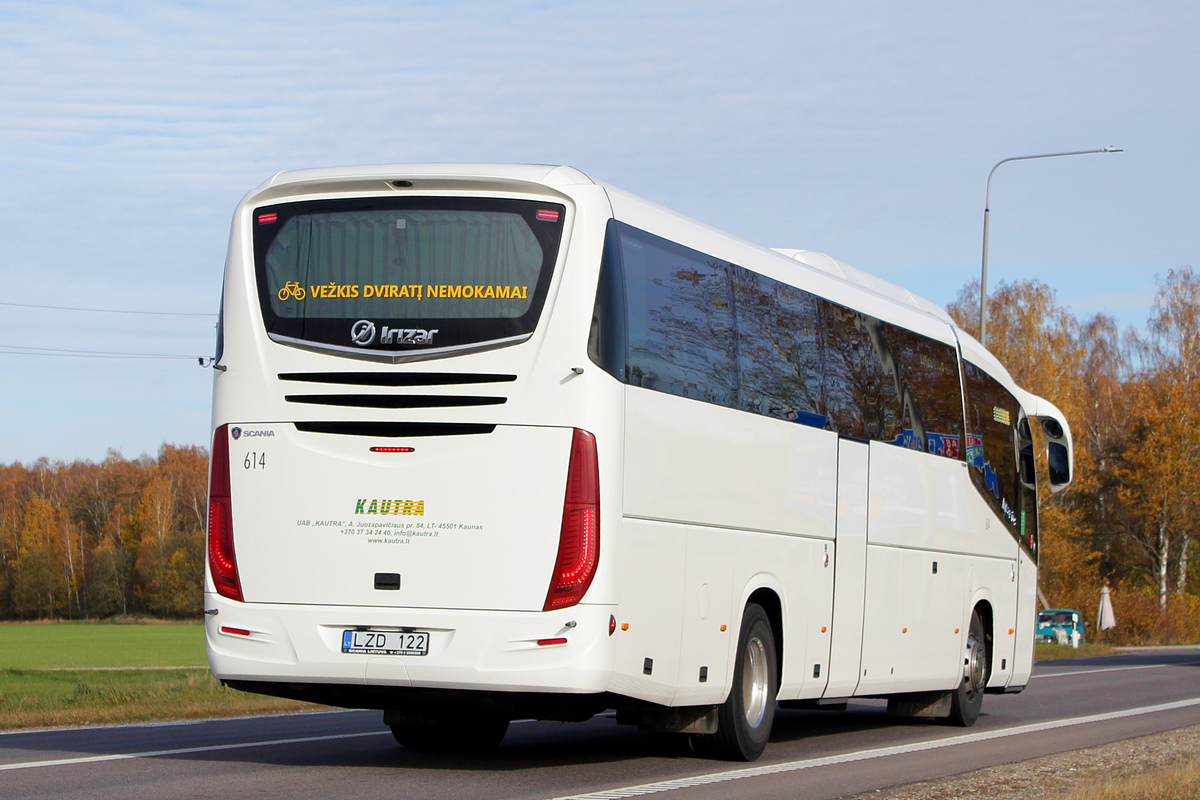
1060 626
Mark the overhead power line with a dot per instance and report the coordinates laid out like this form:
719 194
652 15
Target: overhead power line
113 311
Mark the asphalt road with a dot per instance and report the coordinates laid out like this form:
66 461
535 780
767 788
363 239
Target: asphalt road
1069 705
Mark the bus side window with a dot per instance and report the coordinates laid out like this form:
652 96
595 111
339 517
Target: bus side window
780 358
931 394
606 339
860 384
681 324
993 415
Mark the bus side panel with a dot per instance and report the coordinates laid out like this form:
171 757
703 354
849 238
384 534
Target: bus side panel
912 629
992 582
650 587
708 616
686 461
923 501
1025 624
794 569
850 569
775 510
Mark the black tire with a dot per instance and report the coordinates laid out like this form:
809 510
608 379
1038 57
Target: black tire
967 699
744 720
472 733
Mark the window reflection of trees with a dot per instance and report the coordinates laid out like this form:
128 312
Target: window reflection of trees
681 329
862 395
992 416
781 349
702 328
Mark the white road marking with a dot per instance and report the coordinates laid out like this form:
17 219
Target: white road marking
181 751
175 723
1115 669
864 755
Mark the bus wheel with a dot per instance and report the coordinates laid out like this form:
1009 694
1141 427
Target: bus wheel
462 733
744 720
968 698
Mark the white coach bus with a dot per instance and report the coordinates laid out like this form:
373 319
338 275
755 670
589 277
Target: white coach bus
500 442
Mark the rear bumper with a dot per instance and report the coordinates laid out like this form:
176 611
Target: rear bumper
486 651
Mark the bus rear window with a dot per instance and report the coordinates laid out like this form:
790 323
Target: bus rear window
394 275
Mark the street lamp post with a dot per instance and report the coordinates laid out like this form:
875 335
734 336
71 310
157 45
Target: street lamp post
987 202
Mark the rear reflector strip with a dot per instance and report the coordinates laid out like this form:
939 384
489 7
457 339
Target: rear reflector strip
544 642
235 631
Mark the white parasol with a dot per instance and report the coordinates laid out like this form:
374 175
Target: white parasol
1105 619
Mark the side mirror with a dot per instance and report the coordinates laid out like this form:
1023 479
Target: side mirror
1059 462
1059 456
1058 453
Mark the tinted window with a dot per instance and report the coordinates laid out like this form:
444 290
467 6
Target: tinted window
780 349
606 341
992 418
676 320
862 385
366 273
930 393
680 312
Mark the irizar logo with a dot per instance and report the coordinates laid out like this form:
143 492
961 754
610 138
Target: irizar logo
362 333
406 335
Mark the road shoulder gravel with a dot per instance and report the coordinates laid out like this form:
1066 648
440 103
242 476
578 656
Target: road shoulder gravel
1053 776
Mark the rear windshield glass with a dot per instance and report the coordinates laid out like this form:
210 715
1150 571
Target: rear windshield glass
404 273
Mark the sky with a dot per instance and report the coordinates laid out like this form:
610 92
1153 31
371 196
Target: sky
866 130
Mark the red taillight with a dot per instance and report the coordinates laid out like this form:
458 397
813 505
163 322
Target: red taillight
221 561
579 536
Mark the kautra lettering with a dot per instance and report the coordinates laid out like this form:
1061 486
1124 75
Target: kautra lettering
384 507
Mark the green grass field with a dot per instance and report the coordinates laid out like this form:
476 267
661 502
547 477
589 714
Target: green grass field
81 673
91 645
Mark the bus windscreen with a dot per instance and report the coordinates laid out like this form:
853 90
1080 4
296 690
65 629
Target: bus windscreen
390 274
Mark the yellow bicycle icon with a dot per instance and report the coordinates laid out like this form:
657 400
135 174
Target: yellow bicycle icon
292 289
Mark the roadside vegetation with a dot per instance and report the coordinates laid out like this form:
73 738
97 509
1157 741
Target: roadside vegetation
1044 651
71 674
1178 782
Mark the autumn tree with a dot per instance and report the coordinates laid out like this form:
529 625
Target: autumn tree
119 537
1160 477
40 588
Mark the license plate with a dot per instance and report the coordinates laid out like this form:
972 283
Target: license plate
386 643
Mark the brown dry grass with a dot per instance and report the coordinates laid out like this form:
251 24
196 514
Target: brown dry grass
1163 766
56 698
1178 782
